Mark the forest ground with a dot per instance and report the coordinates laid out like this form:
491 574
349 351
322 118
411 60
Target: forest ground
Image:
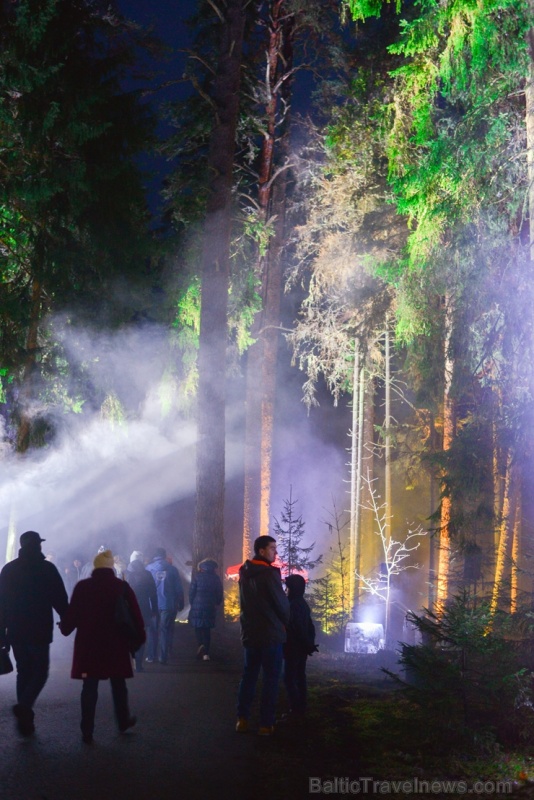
185 746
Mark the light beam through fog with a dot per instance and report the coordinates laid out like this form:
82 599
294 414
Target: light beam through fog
101 479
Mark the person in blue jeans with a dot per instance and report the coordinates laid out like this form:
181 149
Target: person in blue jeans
170 600
264 617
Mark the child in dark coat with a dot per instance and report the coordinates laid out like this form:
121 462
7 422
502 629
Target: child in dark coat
299 645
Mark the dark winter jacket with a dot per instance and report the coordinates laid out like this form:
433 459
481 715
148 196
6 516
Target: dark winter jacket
264 606
168 585
144 587
30 587
301 630
100 649
205 594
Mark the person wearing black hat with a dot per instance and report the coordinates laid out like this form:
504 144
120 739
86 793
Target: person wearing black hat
30 589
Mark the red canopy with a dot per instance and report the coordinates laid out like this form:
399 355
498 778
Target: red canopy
232 573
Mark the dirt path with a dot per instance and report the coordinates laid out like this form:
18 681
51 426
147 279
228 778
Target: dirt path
184 745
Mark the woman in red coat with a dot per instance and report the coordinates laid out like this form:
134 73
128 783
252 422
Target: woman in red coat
101 649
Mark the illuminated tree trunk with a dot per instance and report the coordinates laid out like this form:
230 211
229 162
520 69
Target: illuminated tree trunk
369 542
358 401
252 466
516 555
262 355
271 336
209 517
261 383
354 483
30 365
387 428
432 554
449 426
504 551
498 485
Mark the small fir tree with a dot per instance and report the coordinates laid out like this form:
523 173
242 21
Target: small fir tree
324 602
288 533
330 594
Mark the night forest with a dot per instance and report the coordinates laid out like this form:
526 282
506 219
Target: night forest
344 205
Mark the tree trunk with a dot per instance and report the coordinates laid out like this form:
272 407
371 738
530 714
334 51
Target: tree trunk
432 539
516 555
271 337
354 479
26 391
449 427
359 482
262 355
504 551
209 518
370 553
387 429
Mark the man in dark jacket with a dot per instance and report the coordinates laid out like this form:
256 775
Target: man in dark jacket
264 616
144 588
30 588
170 601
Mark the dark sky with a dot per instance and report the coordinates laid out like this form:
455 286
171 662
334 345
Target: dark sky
167 16
168 20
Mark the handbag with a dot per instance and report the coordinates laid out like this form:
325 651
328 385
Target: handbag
125 621
5 662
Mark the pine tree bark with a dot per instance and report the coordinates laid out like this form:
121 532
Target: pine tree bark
504 552
449 429
516 555
262 355
30 363
355 478
387 427
209 517
432 549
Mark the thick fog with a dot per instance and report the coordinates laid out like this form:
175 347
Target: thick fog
127 480
102 479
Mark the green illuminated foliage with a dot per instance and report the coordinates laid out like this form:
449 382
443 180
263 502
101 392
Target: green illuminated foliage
73 221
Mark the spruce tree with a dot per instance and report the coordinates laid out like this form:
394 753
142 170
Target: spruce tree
289 532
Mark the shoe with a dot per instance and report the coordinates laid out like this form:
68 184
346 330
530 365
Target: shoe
130 722
149 660
201 652
25 717
206 657
266 730
139 669
241 725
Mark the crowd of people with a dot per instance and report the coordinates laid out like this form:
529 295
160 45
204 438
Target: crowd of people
117 609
